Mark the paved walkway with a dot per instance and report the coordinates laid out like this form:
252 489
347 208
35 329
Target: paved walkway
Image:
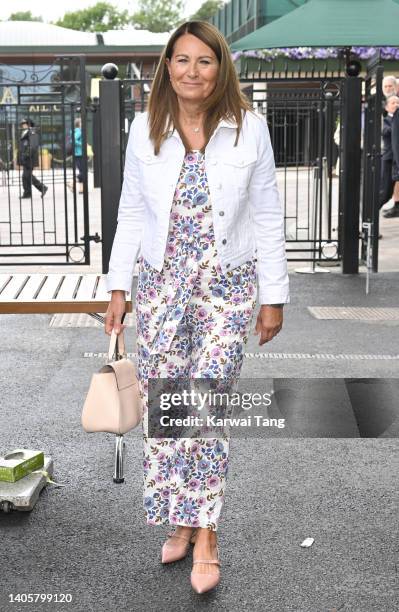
89 538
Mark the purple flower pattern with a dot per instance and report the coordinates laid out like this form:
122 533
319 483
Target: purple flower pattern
192 320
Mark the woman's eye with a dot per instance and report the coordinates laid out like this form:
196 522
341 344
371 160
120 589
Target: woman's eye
201 61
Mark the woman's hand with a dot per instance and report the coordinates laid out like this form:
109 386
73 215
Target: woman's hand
115 310
269 322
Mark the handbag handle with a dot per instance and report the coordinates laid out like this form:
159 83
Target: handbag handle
116 345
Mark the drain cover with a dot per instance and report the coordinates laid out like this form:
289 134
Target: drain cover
354 313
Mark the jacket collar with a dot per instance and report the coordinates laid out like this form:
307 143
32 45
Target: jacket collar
231 123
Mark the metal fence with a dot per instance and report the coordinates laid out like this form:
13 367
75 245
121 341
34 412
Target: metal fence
44 215
302 115
309 117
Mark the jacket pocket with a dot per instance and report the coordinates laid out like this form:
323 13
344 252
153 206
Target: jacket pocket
152 171
239 164
150 163
240 156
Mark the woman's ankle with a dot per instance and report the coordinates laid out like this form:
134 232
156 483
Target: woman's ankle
184 528
206 535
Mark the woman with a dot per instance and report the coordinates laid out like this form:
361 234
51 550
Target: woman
77 138
200 197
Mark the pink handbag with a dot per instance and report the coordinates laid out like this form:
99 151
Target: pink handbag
113 402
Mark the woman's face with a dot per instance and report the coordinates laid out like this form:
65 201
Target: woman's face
392 104
193 69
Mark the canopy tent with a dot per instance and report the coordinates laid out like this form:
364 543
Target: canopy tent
329 23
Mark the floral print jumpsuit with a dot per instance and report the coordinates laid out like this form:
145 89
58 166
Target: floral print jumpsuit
193 321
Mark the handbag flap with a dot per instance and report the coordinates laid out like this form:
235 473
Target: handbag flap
125 373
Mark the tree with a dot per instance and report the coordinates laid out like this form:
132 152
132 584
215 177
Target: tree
207 10
158 15
23 16
98 18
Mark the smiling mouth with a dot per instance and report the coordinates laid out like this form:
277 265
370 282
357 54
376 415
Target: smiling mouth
191 83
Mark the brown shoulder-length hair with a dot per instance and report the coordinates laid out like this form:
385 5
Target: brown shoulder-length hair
225 102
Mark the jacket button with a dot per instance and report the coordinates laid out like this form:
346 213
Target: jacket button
227 265
221 213
224 241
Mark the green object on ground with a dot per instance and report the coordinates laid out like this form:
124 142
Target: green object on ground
20 462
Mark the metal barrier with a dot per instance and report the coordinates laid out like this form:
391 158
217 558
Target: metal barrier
53 229
302 120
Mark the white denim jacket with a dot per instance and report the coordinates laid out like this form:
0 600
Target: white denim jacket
247 213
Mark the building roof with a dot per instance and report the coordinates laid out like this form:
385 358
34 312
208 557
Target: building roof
135 38
329 23
37 35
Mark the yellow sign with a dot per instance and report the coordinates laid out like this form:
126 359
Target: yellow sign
8 97
42 108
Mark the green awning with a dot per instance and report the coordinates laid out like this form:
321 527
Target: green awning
329 23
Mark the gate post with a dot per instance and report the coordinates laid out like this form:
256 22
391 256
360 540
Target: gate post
111 157
350 164
372 161
96 143
83 116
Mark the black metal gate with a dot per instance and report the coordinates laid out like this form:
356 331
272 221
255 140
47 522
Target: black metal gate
371 163
44 212
315 122
303 120
303 115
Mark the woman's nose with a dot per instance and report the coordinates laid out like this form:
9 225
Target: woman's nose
192 71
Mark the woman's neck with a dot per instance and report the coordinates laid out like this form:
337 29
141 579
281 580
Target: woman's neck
189 113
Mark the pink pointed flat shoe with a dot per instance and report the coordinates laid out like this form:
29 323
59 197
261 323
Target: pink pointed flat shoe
177 550
202 583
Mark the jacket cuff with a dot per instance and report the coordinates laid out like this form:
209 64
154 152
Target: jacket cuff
117 281
273 297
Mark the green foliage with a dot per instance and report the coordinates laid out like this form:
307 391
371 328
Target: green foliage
207 10
158 15
98 18
23 16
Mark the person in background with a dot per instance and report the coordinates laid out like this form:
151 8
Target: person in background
77 135
28 158
389 86
387 182
394 105
336 137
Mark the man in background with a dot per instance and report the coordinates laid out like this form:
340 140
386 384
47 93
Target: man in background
394 211
387 182
28 158
389 86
